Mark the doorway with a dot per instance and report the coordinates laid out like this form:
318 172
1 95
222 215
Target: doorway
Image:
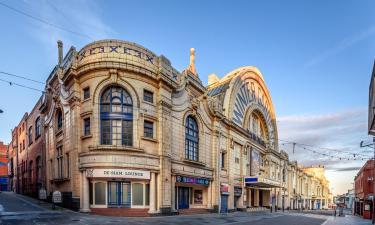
119 194
183 197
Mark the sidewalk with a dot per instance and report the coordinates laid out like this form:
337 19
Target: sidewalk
347 220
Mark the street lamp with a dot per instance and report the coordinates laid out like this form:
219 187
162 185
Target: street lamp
1 111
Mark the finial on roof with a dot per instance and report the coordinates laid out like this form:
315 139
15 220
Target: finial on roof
192 62
60 51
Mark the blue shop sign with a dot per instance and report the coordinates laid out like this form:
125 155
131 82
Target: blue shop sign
251 179
192 180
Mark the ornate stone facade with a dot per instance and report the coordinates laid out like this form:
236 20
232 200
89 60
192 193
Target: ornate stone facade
123 128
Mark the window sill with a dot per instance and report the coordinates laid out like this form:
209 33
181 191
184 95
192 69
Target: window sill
149 139
194 162
86 99
60 180
86 136
115 148
148 103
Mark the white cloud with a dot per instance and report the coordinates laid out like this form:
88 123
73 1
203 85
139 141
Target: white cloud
341 130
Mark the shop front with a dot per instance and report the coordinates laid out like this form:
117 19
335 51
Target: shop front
224 195
191 192
260 190
118 188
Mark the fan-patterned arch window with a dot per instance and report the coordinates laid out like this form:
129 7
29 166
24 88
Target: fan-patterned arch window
116 117
191 139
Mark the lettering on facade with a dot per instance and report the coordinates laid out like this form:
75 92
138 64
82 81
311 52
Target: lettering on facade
116 49
118 173
192 180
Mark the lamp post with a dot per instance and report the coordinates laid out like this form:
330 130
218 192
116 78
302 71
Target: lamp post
1 111
363 145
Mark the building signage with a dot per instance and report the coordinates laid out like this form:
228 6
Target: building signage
192 180
56 197
118 173
261 180
42 194
118 49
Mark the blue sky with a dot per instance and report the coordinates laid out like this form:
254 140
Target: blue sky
316 56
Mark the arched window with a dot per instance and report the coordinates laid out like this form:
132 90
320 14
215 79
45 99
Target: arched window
191 139
116 117
59 119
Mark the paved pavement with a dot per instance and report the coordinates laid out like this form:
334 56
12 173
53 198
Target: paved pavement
20 210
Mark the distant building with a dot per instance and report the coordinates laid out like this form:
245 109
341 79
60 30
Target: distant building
364 190
346 199
3 167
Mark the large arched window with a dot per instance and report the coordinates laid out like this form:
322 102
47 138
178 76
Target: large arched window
191 139
116 117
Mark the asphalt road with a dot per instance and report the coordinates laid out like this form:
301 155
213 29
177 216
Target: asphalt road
16 209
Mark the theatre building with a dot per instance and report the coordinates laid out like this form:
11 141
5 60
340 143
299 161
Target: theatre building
126 133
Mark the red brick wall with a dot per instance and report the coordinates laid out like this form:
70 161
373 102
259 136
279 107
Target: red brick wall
3 160
364 181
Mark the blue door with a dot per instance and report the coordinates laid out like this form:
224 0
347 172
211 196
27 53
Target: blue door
119 194
183 197
224 204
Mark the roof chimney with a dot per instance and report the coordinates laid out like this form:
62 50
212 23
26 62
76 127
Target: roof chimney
60 49
192 62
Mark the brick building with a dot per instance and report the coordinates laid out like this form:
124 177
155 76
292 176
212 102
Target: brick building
364 190
3 167
27 154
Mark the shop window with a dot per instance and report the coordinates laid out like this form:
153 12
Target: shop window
137 194
116 116
148 96
91 193
147 194
198 197
148 129
191 139
86 93
86 127
100 193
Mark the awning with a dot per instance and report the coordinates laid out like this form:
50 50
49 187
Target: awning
261 182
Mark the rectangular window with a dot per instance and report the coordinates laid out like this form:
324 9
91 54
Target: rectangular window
148 96
86 127
237 160
30 135
148 129
23 144
59 159
86 93
198 197
67 165
223 156
37 128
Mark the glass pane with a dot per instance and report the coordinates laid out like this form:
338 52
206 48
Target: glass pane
106 132
112 192
137 194
100 193
116 132
147 194
125 193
